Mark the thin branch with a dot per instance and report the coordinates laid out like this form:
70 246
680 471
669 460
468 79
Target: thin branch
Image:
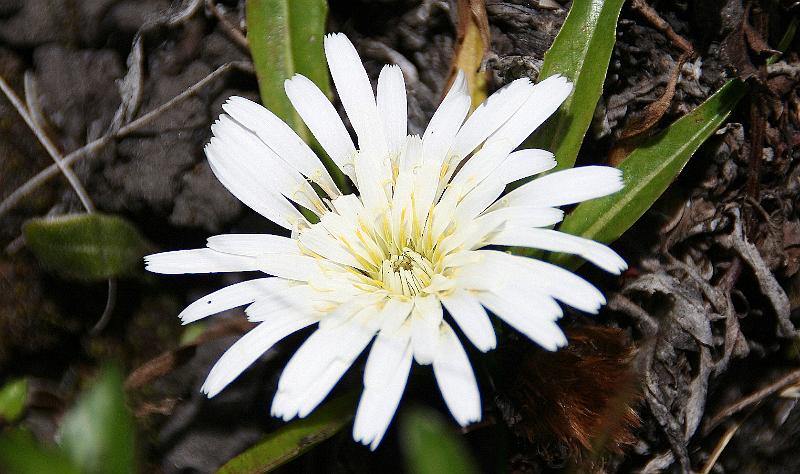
90 148
721 444
755 397
108 310
229 28
153 114
45 140
43 176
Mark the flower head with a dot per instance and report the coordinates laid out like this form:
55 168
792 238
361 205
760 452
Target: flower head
404 260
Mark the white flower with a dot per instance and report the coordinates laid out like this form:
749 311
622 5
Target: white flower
385 264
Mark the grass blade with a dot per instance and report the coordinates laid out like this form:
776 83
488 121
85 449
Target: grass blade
20 453
431 446
98 432
648 171
286 38
581 52
294 439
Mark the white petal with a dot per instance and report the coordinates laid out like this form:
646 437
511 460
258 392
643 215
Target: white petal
374 173
521 216
490 115
275 303
565 187
345 342
293 267
321 118
485 163
230 297
249 348
244 150
198 261
555 241
546 97
321 387
481 197
385 356
455 378
379 402
542 277
530 314
438 137
317 365
425 319
247 188
470 316
253 245
393 315
282 140
355 92
524 163
392 107
318 240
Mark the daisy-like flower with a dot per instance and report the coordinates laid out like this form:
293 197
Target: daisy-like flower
416 252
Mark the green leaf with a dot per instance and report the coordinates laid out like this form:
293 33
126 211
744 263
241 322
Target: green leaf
13 396
86 246
294 439
581 52
431 446
98 433
648 170
286 38
21 454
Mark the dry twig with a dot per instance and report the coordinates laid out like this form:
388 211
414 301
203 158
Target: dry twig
91 148
48 145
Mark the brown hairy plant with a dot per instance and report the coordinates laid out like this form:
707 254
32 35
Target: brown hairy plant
580 399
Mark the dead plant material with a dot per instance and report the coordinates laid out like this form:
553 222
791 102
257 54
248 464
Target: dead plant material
638 127
170 360
754 398
581 397
652 16
472 42
746 41
234 33
91 148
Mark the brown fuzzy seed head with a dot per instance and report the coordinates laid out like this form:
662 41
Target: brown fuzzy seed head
580 397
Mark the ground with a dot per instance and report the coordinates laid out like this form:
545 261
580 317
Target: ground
698 339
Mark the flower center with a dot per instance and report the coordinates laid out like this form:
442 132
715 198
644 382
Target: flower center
407 273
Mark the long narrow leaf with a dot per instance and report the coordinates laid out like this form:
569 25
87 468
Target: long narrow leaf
20 453
581 52
98 432
294 439
430 445
286 38
648 171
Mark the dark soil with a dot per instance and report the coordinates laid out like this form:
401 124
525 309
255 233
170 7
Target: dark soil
703 319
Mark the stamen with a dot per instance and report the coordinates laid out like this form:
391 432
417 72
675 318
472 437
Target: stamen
407 273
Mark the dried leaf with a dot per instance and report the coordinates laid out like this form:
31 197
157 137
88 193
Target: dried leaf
472 42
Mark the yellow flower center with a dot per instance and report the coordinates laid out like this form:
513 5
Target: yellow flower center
406 273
